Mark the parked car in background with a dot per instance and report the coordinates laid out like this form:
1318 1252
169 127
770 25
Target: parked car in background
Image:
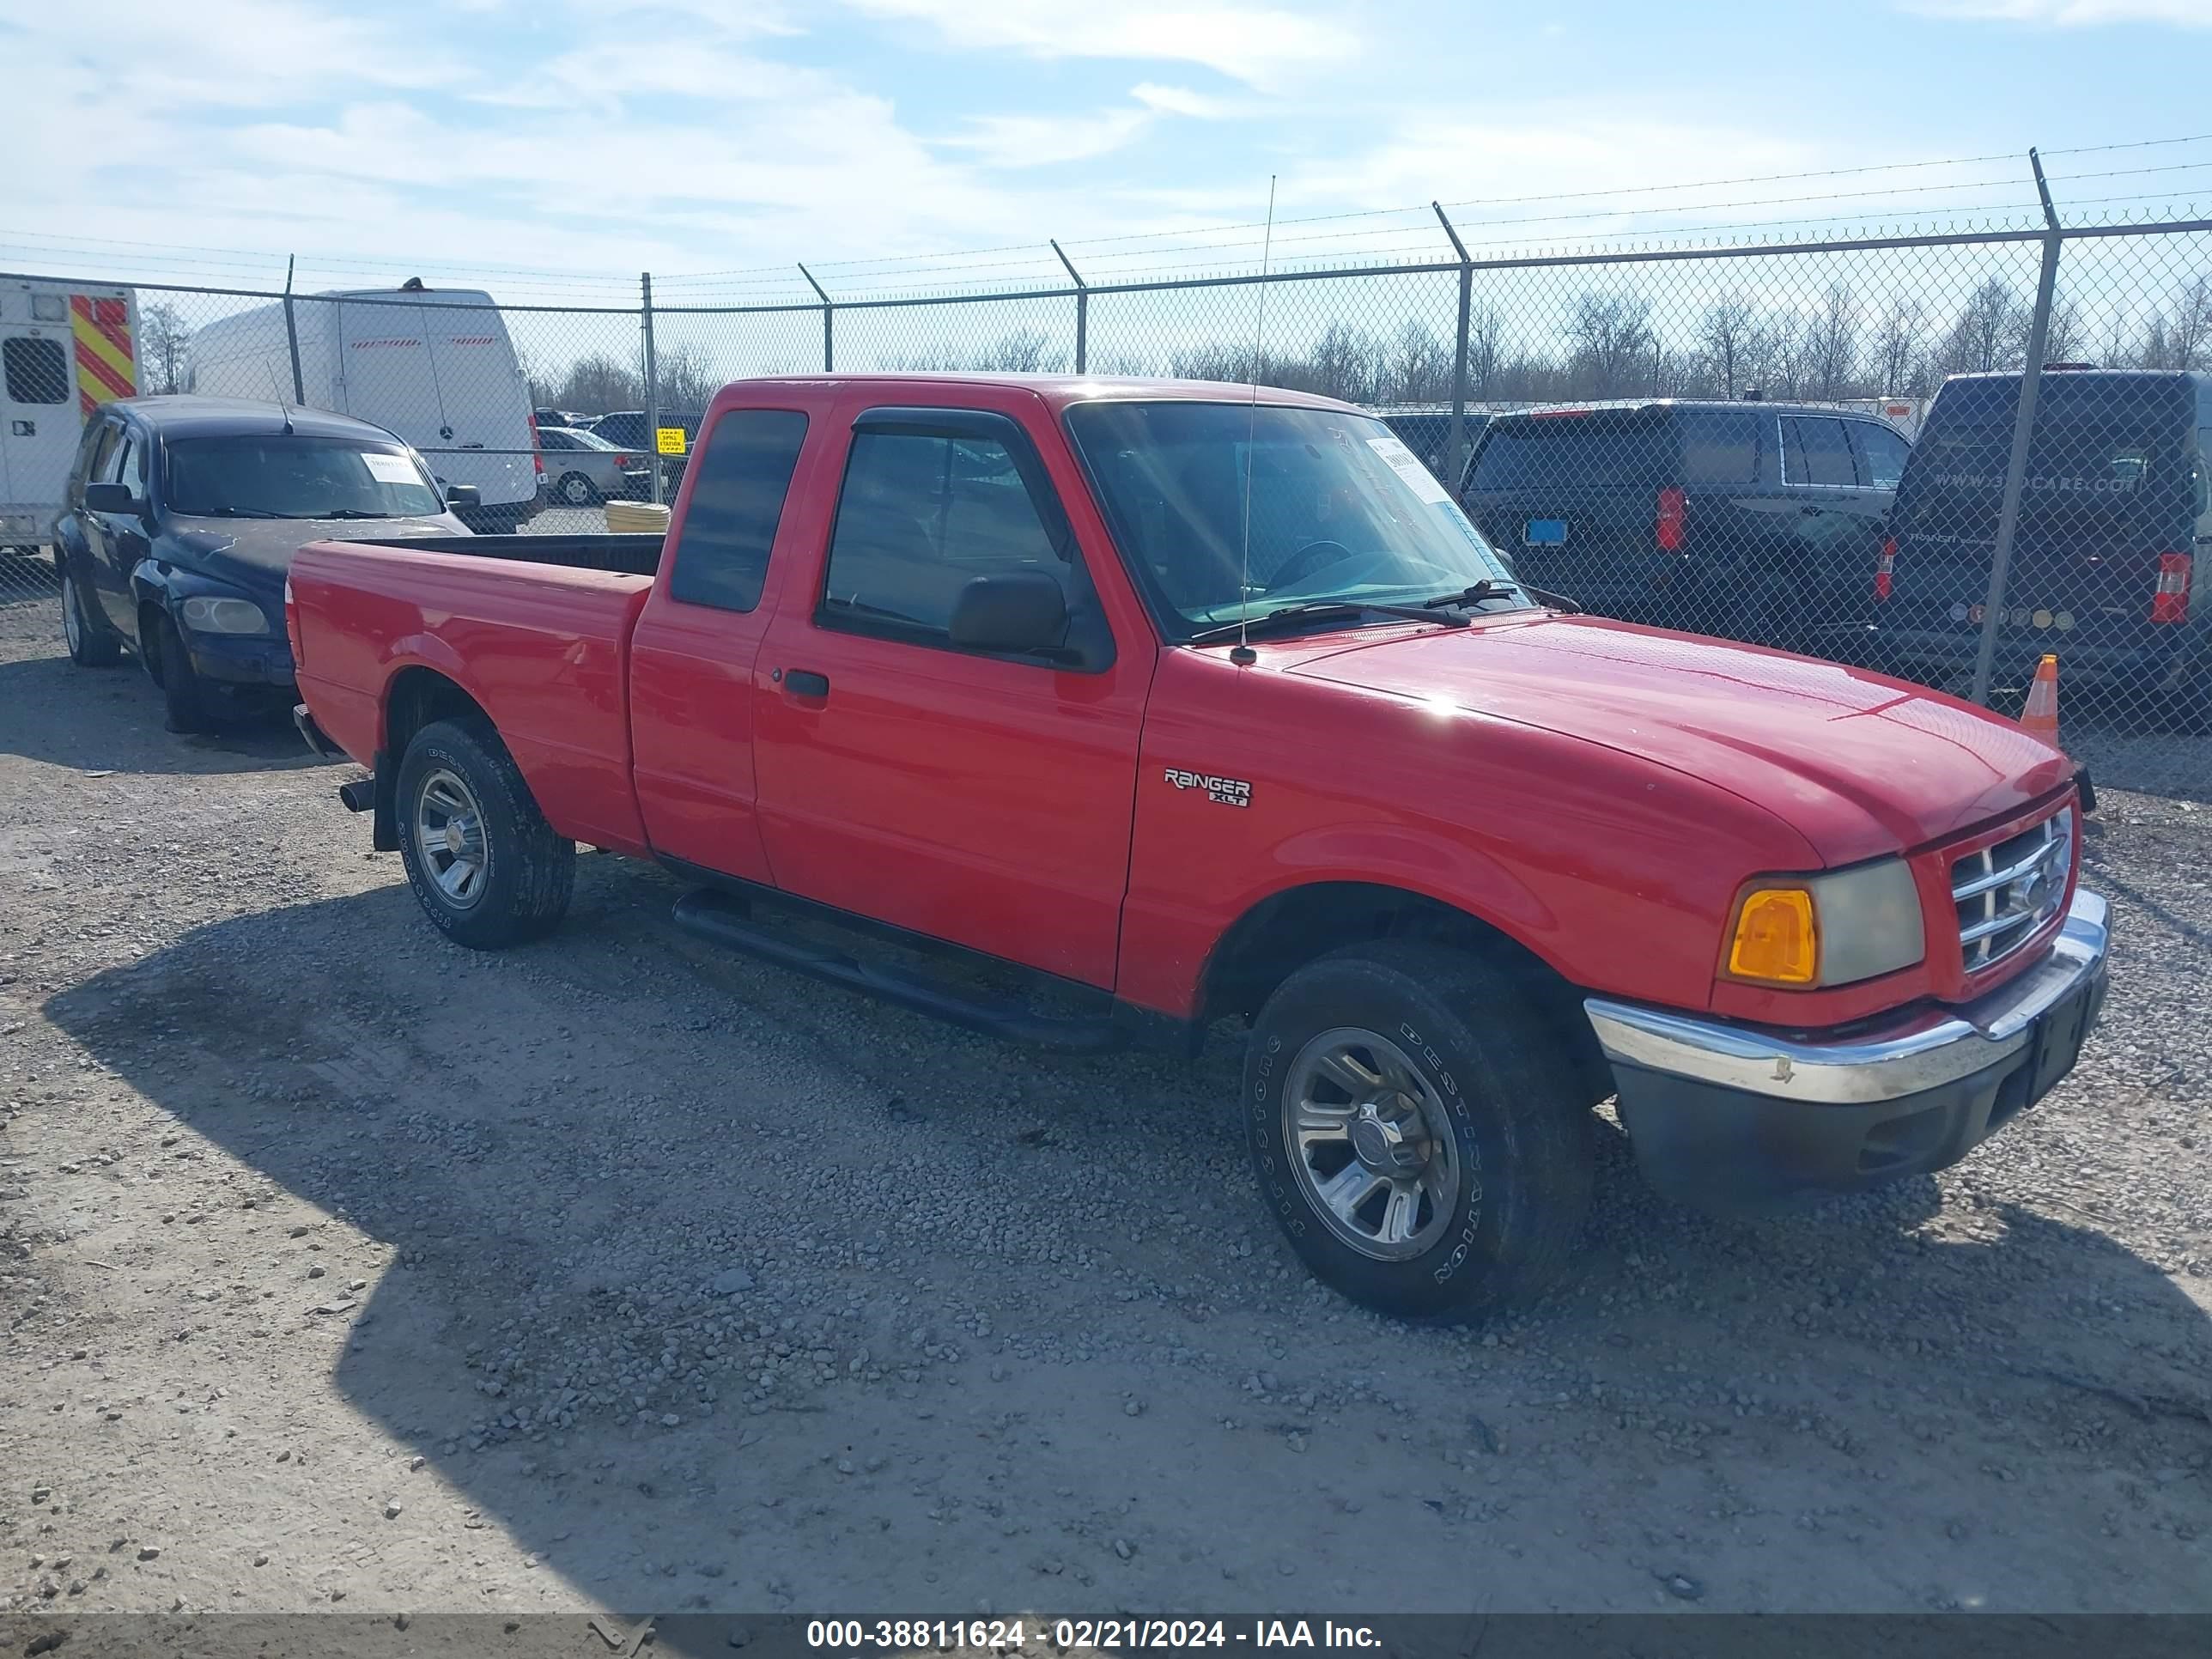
180 518
582 469
628 428
65 349
546 416
1754 521
435 366
2115 515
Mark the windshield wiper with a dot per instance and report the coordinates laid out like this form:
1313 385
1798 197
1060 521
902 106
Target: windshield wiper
349 513
1286 617
1487 589
232 512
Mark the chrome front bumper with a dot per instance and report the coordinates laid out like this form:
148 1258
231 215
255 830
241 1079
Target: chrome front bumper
1921 1050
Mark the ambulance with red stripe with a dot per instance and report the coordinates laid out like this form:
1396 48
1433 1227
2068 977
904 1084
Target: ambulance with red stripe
65 349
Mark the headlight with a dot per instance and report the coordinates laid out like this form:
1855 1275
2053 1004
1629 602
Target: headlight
1832 929
214 616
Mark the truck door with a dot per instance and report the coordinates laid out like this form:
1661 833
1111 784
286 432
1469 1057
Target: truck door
691 654
978 798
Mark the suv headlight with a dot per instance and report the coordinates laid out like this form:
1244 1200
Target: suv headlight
1831 929
217 616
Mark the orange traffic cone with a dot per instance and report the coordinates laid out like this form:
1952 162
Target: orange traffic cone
2041 715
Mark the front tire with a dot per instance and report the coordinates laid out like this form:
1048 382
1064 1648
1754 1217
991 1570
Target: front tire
92 643
575 490
487 868
1414 1133
187 699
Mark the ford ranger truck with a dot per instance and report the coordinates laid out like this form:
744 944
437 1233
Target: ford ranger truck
1090 713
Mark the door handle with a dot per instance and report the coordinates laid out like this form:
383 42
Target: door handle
804 683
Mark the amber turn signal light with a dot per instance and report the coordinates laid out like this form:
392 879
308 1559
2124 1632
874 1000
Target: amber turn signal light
1775 940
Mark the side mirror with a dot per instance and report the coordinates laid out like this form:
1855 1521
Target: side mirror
464 495
111 498
1017 610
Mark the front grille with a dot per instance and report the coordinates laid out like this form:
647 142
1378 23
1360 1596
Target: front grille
2005 893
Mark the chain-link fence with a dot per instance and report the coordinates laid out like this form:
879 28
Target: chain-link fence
1885 450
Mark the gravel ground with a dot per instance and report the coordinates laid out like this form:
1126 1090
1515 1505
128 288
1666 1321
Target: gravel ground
342 1266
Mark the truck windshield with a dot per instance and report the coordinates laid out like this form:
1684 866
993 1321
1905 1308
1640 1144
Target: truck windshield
273 475
1340 509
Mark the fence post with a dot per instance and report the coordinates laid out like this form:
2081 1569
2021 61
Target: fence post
1456 451
2023 428
1082 310
651 380
829 339
292 333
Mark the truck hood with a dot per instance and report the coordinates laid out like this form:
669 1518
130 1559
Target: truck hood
1859 764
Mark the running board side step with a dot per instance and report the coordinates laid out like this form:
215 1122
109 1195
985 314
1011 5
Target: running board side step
722 921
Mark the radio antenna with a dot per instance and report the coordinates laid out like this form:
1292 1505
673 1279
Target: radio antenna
1243 656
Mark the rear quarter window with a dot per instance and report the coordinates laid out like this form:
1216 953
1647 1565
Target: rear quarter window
1720 450
739 481
1571 452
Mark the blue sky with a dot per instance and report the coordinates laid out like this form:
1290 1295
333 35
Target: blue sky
690 137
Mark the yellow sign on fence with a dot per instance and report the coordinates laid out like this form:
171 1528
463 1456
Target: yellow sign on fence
669 440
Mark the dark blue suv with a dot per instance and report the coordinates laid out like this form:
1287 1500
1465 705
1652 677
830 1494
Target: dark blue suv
2115 515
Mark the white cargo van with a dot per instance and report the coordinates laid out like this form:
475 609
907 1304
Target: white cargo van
434 367
65 349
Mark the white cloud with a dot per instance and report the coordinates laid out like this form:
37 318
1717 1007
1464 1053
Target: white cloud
1031 141
1257 44
1181 101
2072 14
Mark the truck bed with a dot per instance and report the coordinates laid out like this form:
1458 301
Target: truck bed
534 630
627 555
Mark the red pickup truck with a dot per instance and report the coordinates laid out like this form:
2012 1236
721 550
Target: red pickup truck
1088 712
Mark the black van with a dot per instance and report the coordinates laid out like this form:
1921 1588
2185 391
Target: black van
2116 508
1757 521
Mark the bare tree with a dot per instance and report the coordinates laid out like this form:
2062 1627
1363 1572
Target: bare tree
2193 326
1419 369
595 384
1610 337
1831 343
1483 329
164 348
1897 344
1025 351
1725 337
2066 336
1985 335
1346 361
686 377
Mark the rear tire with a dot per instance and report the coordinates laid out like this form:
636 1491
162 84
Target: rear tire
487 868
1450 1063
92 643
575 489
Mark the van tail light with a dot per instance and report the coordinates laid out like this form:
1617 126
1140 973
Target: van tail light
537 455
1673 514
2169 601
1885 566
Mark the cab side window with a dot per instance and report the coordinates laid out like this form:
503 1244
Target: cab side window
1816 451
921 515
744 472
103 454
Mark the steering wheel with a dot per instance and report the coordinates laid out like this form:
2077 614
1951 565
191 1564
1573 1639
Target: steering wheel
1314 555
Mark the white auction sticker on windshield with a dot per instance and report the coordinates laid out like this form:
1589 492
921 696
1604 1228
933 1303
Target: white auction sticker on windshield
1407 466
391 469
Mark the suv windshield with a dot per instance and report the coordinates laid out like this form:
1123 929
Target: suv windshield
1340 510
273 475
